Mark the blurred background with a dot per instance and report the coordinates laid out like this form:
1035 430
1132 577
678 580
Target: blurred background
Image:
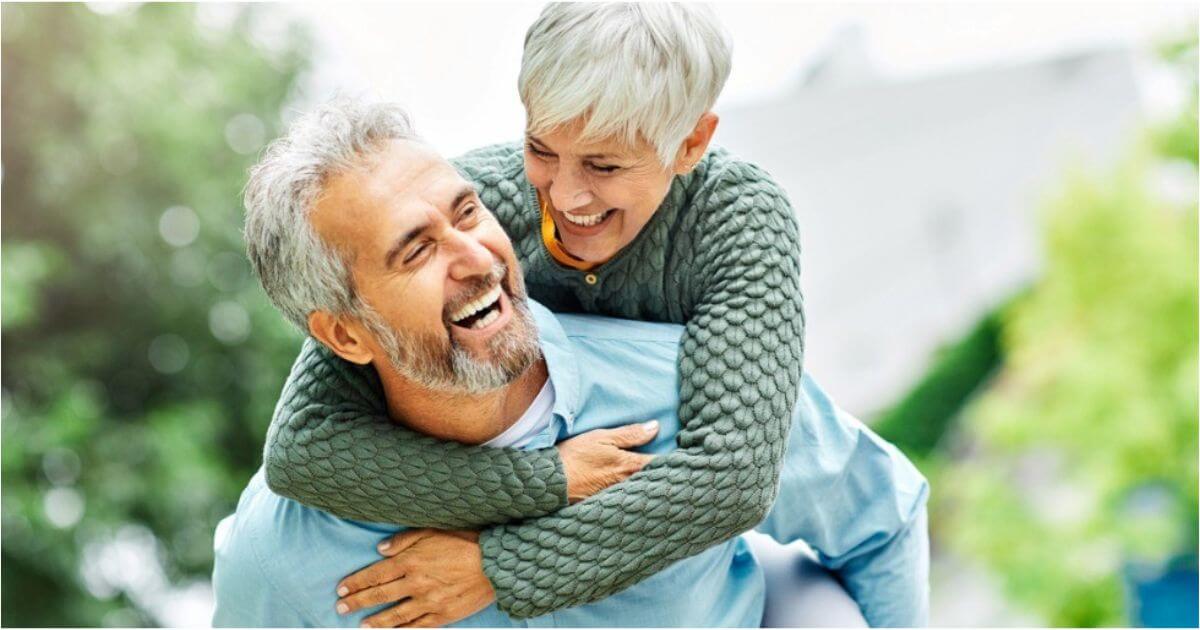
998 205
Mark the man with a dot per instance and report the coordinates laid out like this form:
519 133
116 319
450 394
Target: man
421 283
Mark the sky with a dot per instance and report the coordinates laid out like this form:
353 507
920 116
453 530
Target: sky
455 64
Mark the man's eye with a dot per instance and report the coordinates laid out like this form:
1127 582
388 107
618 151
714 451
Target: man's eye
415 253
603 169
469 216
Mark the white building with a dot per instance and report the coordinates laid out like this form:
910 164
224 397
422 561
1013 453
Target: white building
918 200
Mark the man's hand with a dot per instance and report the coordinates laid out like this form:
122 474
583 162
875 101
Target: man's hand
598 459
438 575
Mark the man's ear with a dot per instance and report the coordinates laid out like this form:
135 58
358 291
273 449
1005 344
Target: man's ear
347 339
696 143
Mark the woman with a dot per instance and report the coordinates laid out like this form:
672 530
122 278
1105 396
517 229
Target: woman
615 206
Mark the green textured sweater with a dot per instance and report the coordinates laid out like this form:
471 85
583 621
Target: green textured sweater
720 255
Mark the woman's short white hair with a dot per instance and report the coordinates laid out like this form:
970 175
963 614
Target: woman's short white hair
300 272
630 69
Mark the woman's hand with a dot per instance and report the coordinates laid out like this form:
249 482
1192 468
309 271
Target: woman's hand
598 459
437 576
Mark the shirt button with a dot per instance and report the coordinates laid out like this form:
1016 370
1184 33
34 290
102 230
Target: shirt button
590 278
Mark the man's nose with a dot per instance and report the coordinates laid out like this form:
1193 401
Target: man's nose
471 258
570 190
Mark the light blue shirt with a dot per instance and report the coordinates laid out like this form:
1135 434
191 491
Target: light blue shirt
852 497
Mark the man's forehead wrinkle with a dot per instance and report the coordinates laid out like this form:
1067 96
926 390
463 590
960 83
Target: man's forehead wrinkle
346 215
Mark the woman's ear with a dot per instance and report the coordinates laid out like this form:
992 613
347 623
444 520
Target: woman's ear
696 143
346 339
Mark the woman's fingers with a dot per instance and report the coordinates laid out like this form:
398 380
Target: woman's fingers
427 621
637 461
632 435
401 541
398 615
602 457
373 596
382 572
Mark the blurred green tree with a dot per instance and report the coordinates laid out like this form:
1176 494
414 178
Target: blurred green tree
142 360
1078 464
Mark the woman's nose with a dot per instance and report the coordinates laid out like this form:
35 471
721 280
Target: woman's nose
570 190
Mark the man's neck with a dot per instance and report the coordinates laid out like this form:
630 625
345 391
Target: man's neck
466 418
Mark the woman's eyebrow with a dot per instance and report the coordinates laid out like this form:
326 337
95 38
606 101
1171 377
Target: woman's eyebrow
591 156
533 140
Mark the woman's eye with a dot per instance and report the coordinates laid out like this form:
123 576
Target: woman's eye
603 169
538 152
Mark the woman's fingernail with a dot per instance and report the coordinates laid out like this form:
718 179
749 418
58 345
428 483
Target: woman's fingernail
383 546
343 591
651 426
342 608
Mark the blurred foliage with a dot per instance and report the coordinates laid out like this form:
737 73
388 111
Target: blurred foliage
1078 467
917 423
142 361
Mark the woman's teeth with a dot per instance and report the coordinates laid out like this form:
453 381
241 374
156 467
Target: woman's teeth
487 300
586 220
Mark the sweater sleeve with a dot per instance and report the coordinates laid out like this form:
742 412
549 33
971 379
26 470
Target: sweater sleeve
740 367
332 446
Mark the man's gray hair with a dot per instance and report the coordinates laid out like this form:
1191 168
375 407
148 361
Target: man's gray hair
301 273
631 69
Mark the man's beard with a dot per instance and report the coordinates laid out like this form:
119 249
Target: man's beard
427 360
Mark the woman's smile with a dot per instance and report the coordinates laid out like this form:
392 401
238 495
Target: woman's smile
584 225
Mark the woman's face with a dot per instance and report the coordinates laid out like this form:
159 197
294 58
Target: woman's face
600 194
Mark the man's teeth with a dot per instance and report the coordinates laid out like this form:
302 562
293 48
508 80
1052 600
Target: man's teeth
586 220
476 305
486 320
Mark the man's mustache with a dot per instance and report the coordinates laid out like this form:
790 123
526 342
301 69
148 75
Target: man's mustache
478 286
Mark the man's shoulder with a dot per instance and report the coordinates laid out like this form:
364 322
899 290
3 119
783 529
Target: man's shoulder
247 591
608 348
276 560
597 328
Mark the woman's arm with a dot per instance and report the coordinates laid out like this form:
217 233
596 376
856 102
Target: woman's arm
740 367
332 446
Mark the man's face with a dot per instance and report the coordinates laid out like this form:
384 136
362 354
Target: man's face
443 288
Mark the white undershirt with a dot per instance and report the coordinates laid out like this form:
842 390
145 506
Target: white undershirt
535 420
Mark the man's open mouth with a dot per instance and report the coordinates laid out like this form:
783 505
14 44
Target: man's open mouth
480 312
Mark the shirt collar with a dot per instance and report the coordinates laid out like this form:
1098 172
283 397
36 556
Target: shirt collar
560 362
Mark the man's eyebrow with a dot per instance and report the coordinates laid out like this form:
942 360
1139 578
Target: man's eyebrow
403 242
466 191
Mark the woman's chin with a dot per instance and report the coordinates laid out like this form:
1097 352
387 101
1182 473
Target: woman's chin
595 250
